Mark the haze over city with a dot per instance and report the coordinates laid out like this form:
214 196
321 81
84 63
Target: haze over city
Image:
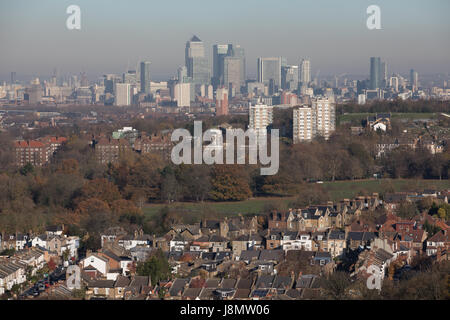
115 36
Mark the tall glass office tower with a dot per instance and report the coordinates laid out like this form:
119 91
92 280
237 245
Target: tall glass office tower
269 70
375 73
305 72
228 65
289 77
220 51
197 62
145 77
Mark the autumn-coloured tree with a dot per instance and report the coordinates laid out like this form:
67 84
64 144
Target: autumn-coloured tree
101 189
68 166
125 211
229 182
122 206
92 206
144 179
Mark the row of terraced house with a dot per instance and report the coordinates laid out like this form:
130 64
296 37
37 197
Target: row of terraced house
304 242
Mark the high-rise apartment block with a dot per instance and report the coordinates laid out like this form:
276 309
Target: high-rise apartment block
122 93
325 113
260 117
182 94
304 124
317 120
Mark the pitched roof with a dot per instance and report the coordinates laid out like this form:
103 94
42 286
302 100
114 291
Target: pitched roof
282 282
121 282
178 286
265 281
101 284
228 283
272 255
242 294
440 236
248 255
244 283
139 281
192 293
212 283
305 281
336 235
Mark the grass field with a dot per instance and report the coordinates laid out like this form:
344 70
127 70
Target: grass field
411 116
336 190
348 189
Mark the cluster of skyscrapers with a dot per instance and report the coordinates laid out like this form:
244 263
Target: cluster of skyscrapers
380 83
205 85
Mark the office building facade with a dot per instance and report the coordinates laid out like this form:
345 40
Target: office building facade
289 78
305 72
375 73
145 77
269 71
196 62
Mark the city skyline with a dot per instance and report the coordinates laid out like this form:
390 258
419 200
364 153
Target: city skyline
29 49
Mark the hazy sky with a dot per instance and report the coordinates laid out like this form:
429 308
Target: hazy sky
115 34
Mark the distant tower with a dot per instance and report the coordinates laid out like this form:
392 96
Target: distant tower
122 92
222 102
197 62
394 83
289 78
414 79
182 74
375 73
13 77
305 72
220 51
145 77
384 75
269 71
